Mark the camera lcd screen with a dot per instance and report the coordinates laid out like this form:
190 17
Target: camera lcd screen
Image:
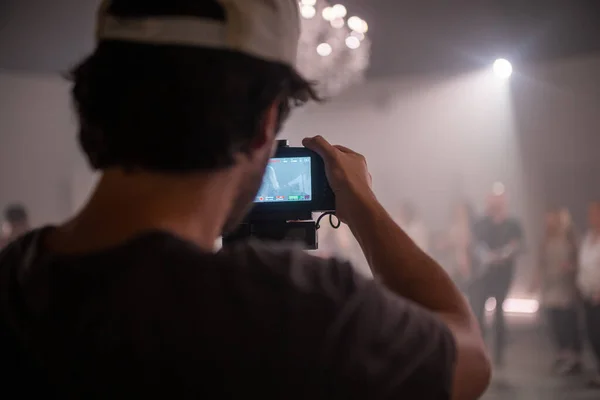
286 180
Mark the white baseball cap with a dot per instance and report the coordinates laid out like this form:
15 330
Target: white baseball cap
265 29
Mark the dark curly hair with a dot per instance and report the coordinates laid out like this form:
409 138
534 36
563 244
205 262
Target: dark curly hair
176 108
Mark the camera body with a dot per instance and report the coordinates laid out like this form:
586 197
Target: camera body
294 187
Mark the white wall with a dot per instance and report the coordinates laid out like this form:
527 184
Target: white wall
39 158
430 141
557 108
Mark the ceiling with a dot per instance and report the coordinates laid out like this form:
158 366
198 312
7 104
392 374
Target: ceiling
409 36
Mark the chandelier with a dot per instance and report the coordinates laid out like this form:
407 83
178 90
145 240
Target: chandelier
334 50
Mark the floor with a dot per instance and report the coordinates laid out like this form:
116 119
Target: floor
526 374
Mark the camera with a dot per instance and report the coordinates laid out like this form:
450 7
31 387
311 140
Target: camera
294 187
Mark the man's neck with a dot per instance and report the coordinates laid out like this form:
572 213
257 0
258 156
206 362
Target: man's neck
194 208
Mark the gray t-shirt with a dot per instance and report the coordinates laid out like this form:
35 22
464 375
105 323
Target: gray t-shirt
157 317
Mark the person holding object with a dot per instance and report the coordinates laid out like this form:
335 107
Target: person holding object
498 241
588 280
179 107
455 247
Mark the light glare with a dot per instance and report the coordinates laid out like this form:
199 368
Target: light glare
503 68
340 11
354 23
309 2
308 12
364 27
358 25
324 49
353 42
515 306
328 14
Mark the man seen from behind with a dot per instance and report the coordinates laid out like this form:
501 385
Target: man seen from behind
179 107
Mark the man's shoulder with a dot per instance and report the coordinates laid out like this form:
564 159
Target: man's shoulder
246 262
351 316
293 267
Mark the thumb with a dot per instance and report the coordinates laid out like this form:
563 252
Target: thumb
319 145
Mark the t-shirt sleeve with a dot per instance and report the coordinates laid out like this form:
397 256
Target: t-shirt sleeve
358 339
381 346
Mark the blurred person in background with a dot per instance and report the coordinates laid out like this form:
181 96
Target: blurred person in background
498 240
16 224
179 108
589 284
411 222
556 276
456 246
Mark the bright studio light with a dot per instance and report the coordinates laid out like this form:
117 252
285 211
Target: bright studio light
353 42
309 2
515 306
308 12
328 14
324 49
340 11
503 68
358 25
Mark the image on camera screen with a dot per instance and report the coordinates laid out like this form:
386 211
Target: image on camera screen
286 180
